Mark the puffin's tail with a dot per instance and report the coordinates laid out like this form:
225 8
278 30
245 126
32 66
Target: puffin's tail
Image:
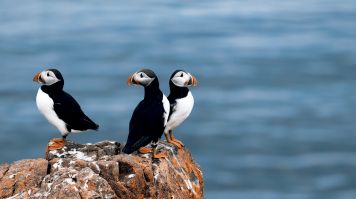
96 127
127 150
143 141
90 124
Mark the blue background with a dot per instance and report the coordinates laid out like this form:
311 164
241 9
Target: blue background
275 106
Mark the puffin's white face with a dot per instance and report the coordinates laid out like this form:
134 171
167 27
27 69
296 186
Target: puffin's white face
46 77
184 79
140 78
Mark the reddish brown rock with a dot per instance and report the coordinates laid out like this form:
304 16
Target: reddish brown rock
101 171
23 176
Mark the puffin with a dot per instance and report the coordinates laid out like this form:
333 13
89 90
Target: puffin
60 108
150 116
181 103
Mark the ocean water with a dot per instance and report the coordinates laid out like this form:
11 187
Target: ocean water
276 102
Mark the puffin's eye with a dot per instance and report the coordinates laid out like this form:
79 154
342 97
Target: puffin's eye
141 75
48 75
181 75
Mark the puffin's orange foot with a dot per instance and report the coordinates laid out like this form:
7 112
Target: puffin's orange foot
57 140
175 143
54 144
159 155
144 150
179 143
170 139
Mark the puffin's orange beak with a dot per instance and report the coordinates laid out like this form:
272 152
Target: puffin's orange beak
193 81
37 78
131 80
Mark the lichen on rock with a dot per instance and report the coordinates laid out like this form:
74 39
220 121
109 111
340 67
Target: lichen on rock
101 171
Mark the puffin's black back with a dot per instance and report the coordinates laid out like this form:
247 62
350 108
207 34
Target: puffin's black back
66 107
147 121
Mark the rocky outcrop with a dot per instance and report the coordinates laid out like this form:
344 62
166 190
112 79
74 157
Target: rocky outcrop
101 171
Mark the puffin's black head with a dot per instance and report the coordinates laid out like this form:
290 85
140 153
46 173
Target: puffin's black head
182 78
142 77
49 77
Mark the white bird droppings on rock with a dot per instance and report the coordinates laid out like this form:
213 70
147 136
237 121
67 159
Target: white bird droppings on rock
101 171
131 175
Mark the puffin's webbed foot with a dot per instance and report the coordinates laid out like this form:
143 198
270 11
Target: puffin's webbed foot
159 155
156 155
55 144
178 143
144 150
170 139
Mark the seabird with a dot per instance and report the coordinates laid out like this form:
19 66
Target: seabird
149 117
181 103
59 107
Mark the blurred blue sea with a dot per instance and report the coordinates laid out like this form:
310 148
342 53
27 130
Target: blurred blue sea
276 104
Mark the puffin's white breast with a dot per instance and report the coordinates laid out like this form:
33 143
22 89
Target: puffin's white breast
166 109
181 111
45 106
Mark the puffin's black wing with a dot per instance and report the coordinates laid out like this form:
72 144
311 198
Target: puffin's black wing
146 125
68 109
172 105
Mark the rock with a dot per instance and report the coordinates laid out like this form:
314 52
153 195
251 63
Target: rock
101 171
22 177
